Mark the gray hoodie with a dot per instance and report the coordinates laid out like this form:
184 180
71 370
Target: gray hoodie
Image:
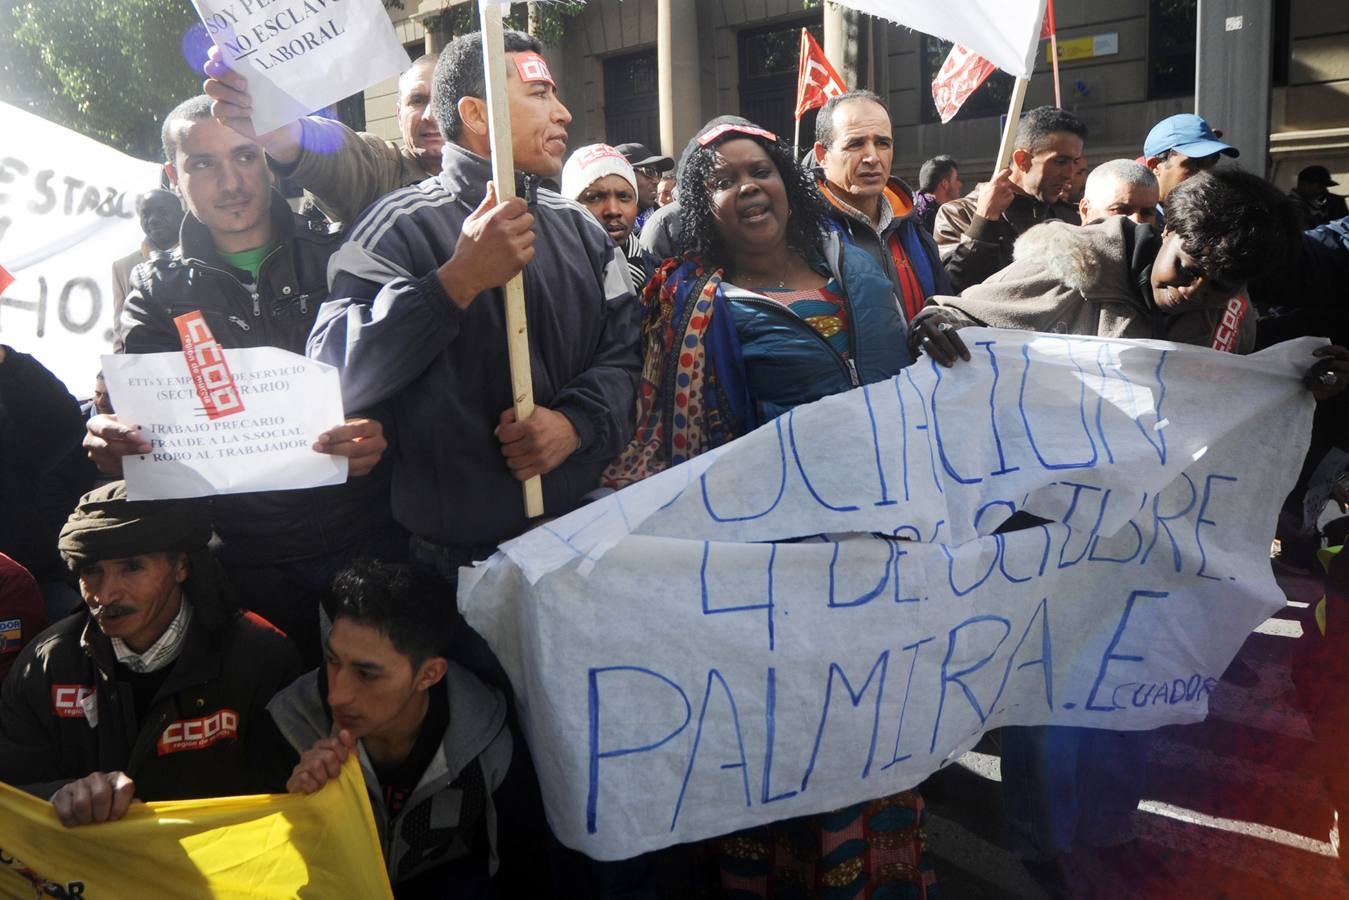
421 836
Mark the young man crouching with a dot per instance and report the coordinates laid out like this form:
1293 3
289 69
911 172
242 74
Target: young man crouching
450 786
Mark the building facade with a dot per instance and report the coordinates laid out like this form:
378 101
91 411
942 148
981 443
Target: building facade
1124 65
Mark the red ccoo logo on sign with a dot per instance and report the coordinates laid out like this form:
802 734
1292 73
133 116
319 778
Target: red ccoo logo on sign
206 362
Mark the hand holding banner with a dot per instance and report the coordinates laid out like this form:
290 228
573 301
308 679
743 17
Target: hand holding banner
284 845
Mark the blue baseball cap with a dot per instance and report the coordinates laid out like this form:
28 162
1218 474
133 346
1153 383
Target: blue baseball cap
1188 134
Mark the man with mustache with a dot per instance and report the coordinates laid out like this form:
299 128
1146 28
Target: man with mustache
417 320
976 232
257 275
343 170
158 688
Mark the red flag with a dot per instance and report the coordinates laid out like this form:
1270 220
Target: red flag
817 79
960 76
6 279
964 70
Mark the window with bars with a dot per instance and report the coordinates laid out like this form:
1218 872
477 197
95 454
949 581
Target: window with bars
1171 32
768 78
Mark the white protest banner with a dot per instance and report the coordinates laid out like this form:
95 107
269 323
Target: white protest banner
302 55
820 613
1005 32
67 211
226 421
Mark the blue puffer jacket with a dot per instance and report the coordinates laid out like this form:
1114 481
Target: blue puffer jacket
787 362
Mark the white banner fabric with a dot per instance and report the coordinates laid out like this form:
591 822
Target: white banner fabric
67 211
302 55
820 613
1006 32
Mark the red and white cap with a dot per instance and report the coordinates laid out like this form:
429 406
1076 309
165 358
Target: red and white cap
591 163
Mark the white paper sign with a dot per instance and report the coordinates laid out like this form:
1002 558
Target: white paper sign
67 211
693 655
302 55
262 442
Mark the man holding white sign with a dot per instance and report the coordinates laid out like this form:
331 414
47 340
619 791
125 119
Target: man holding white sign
256 277
345 171
302 55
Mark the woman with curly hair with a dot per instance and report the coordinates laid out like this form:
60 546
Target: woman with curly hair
768 310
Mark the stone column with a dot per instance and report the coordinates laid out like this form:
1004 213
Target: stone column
847 43
428 13
1233 47
677 64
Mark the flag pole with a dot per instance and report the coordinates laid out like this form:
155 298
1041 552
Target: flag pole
1054 51
1013 118
503 174
1054 55
802 61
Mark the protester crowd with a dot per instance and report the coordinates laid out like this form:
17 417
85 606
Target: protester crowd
252 642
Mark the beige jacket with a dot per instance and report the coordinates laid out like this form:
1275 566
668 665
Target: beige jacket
973 248
357 170
121 284
1086 280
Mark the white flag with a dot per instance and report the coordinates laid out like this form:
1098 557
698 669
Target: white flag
1005 32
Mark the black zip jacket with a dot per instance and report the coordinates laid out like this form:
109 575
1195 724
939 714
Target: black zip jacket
43 468
64 713
398 337
274 526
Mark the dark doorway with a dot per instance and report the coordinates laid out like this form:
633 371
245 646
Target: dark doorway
631 102
768 77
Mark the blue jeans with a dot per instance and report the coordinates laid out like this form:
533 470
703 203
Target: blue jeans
1069 788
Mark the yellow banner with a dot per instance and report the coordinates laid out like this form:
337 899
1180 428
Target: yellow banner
269 845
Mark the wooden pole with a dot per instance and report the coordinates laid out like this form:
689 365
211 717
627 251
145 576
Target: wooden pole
1009 133
503 174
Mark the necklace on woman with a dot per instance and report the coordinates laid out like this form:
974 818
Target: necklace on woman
758 285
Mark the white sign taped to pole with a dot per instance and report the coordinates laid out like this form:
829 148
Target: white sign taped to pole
302 55
67 211
821 612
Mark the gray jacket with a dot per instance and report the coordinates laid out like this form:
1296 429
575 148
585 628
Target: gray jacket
427 832
1087 280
